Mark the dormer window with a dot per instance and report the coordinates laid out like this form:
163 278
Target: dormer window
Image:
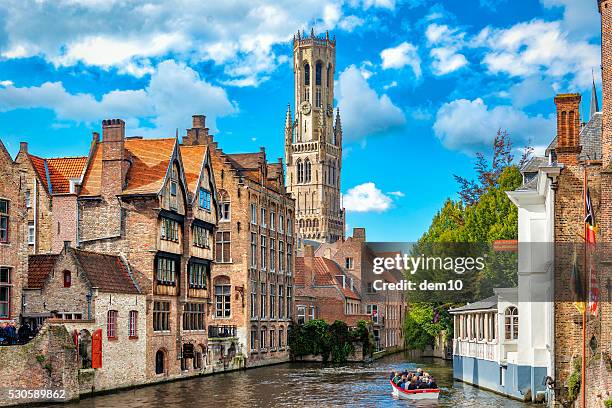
74 183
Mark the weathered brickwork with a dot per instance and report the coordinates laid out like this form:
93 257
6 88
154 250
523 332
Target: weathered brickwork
244 180
13 252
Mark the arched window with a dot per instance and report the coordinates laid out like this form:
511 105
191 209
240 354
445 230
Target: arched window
511 318
307 171
329 75
318 72
306 74
300 171
159 362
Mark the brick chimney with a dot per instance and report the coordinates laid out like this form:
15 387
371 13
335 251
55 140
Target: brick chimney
308 264
198 134
114 160
23 147
605 8
568 127
359 234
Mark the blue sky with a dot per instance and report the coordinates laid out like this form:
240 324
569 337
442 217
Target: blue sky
421 84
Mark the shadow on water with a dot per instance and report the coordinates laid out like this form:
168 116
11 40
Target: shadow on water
303 385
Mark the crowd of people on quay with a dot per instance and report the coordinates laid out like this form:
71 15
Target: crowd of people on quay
11 335
413 380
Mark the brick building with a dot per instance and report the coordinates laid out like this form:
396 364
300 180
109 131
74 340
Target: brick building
50 194
13 248
155 203
584 153
386 309
324 291
255 248
98 301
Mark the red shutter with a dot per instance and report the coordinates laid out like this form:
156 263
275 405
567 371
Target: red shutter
96 349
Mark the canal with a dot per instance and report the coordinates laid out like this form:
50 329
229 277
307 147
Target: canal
302 385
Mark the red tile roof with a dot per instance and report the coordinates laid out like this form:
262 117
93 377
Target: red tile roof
58 171
106 272
324 274
150 159
193 157
39 267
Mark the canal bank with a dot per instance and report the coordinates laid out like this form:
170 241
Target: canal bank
304 385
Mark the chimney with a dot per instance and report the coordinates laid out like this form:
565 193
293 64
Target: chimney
198 122
359 234
568 127
308 264
23 147
605 8
67 244
114 163
198 134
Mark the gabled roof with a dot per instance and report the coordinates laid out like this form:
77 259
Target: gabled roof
489 303
39 267
149 159
108 273
324 272
56 172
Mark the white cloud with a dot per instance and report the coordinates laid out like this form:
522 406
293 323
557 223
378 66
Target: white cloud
174 93
386 4
446 43
530 90
579 16
6 83
133 35
390 85
400 56
540 48
446 60
364 112
470 126
397 194
366 197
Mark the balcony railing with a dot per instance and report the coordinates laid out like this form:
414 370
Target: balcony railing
224 331
472 348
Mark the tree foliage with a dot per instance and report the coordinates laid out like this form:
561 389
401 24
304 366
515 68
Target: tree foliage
467 227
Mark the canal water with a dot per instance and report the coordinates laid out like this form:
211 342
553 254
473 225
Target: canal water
302 385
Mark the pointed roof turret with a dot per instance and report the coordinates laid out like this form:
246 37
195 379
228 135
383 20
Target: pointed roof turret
338 124
312 33
594 100
288 121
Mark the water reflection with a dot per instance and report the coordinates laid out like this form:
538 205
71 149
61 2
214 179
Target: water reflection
302 385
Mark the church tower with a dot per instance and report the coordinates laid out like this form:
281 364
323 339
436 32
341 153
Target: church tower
313 141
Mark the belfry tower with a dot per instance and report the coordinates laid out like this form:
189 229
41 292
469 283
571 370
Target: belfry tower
313 141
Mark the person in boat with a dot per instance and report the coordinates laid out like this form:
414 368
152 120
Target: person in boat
398 379
419 372
431 383
392 375
414 384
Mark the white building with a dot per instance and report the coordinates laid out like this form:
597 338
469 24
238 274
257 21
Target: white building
505 343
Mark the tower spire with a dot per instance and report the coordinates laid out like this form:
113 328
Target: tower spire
594 100
288 120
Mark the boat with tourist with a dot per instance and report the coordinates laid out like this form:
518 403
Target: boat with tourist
417 385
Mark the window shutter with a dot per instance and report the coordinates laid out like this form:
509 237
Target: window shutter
96 349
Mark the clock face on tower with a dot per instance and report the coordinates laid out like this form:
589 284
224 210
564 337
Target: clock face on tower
330 110
305 107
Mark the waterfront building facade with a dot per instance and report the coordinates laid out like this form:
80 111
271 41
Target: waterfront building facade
313 141
255 247
155 204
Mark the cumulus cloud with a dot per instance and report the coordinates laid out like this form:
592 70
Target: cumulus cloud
364 112
539 47
470 126
401 56
133 35
173 94
578 16
447 43
397 194
366 197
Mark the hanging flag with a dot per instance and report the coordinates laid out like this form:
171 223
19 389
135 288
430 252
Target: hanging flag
576 282
591 231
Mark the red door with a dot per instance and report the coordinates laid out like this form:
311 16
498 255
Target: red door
96 349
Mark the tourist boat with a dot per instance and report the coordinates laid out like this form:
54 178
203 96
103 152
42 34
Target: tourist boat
424 394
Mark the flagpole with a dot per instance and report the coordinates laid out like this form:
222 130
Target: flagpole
583 370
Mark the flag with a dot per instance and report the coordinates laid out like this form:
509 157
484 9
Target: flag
576 283
591 230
